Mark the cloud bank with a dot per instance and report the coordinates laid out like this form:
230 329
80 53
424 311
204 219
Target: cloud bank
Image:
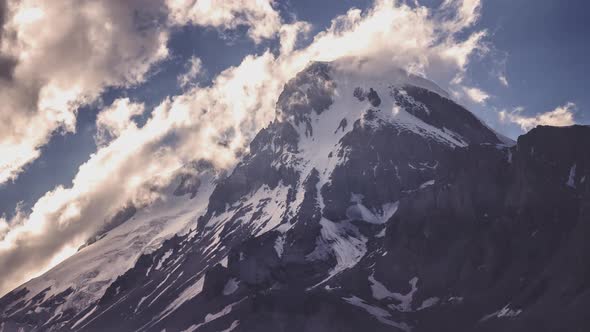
214 122
63 56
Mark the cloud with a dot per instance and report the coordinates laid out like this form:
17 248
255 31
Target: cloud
113 120
561 116
503 79
204 123
262 20
216 122
7 63
289 34
46 74
476 95
195 69
499 64
463 13
56 57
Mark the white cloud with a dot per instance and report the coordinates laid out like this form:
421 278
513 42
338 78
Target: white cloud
503 79
561 116
218 121
476 95
464 13
113 120
289 34
195 68
499 67
262 20
137 161
64 56
3 226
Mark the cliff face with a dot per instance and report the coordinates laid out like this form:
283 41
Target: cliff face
504 230
369 204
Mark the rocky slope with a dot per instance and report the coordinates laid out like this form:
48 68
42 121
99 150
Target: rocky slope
372 202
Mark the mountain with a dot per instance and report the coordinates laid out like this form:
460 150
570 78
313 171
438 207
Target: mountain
372 202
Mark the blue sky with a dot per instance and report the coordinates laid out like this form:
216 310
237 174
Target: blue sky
546 55
539 47
543 44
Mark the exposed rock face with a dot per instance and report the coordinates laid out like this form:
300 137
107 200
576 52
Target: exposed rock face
369 206
503 230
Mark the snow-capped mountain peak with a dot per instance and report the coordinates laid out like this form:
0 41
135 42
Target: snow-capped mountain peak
371 202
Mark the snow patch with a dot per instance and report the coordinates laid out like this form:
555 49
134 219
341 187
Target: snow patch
505 312
231 286
163 259
279 244
403 120
341 240
571 181
380 314
329 288
211 317
84 317
189 293
224 262
427 184
233 325
389 209
428 303
356 198
380 292
360 212
455 299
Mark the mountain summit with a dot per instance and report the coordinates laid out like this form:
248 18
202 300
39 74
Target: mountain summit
372 202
